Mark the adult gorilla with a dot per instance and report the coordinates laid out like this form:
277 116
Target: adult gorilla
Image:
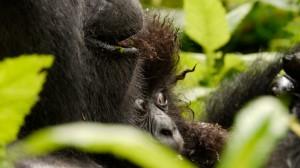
93 78
61 28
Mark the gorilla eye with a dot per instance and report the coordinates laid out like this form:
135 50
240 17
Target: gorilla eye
161 99
166 132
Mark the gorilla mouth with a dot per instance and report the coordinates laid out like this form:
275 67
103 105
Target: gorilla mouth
111 48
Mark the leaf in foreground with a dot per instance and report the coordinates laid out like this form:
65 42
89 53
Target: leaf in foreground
257 129
122 141
21 80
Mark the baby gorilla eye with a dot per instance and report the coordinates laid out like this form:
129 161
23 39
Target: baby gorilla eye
161 100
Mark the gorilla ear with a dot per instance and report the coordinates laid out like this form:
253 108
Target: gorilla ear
161 99
140 104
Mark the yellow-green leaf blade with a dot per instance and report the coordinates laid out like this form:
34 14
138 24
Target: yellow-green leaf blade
124 141
21 80
256 131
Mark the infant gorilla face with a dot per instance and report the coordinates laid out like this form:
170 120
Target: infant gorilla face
153 117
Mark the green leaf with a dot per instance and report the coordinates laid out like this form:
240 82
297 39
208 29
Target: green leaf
123 141
236 16
21 80
206 23
293 29
257 129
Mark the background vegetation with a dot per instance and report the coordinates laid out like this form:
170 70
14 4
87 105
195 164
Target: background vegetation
220 37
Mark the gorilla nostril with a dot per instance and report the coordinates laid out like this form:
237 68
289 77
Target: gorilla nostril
166 132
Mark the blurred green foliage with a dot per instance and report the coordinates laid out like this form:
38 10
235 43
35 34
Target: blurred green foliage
263 24
21 80
251 144
222 38
218 34
122 141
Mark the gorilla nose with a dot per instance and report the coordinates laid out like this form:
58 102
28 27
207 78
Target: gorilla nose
172 137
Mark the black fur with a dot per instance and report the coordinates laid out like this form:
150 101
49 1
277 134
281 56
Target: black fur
158 43
46 27
112 20
287 153
203 141
85 78
222 106
86 82
64 160
91 80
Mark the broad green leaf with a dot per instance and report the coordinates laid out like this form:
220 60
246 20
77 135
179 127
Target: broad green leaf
21 80
122 141
256 131
206 23
236 16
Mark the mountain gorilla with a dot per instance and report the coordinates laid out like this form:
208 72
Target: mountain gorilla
91 75
157 41
257 81
93 78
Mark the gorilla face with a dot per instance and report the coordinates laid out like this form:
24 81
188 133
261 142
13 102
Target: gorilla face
153 117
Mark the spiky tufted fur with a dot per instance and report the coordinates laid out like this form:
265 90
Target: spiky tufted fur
159 46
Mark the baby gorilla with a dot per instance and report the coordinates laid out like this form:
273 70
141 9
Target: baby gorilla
152 116
156 109
202 141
